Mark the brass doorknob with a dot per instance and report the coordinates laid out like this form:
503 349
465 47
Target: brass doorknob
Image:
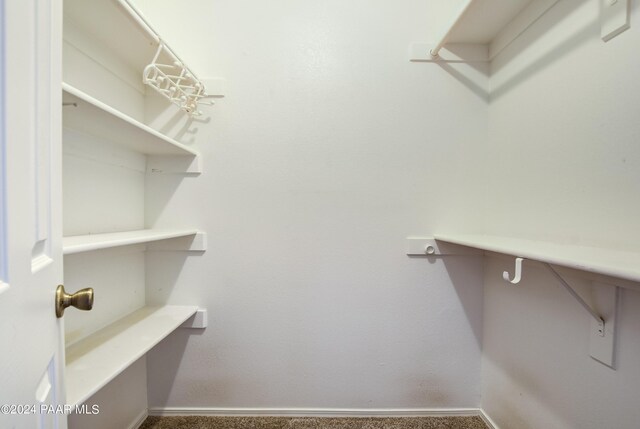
82 300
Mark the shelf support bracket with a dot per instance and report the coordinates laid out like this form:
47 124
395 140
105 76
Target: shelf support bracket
599 320
603 324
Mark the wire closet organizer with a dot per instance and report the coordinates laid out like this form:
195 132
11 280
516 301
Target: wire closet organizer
171 79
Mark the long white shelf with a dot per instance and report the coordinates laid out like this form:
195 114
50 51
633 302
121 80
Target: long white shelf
609 262
96 360
87 243
118 25
493 24
96 118
484 19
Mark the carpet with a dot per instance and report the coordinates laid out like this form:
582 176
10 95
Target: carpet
207 422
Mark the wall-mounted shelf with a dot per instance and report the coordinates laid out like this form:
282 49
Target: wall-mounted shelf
93 362
602 302
608 262
87 243
90 116
112 23
480 29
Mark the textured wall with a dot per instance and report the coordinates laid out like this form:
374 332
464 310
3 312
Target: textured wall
563 152
564 165
328 150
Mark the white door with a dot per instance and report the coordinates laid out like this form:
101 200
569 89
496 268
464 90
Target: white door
31 345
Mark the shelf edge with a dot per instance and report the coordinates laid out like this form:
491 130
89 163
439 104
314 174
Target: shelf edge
70 89
107 243
133 358
564 261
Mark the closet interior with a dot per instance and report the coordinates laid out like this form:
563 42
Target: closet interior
467 137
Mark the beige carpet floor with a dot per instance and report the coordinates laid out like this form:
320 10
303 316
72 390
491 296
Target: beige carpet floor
196 422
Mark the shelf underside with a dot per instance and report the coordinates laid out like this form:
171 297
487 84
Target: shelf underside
99 18
87 243
485 19
93 362
90 116
483 31
608 262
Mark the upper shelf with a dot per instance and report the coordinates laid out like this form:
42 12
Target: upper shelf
93 117
121 29
491 25
112 23
93 362
484 19
609 262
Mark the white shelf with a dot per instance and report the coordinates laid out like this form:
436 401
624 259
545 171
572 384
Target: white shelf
87 243
116 24
484 20
95 118
609 262
490 24
120 28
96 360
497 23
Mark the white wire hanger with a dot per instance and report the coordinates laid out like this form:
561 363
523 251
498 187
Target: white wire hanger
176 82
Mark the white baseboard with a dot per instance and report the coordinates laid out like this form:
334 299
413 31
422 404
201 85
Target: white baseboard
487 420
139 420
317 412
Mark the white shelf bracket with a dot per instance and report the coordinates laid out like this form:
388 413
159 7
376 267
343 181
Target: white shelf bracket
197 321
578 298
602 328
603 322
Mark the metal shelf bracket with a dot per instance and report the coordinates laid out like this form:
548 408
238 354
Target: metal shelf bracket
598 319
603 320
603 325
